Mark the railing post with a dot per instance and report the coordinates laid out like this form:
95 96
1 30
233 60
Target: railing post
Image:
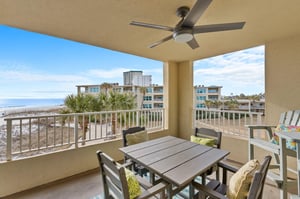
137 118
8 139
259 119
76 130
163 118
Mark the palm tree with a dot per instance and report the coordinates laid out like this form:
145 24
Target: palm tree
143 91
106 86
110 101
208 103
217 103
78 104
232 104
119 101
113 101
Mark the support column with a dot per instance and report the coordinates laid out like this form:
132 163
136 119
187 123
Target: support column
178 97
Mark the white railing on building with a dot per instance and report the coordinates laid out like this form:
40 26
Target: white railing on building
229 122
32 135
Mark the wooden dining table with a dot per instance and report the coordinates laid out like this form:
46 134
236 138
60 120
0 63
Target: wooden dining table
175 160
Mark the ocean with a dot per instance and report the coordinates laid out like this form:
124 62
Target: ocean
27 102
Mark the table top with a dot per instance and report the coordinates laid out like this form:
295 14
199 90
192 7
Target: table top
176 160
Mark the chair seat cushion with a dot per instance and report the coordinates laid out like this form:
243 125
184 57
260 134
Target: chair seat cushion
136 138
285 128
240 182
203 141
134 188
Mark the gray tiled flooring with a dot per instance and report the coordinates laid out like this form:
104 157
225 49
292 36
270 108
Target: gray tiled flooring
86 186
89 186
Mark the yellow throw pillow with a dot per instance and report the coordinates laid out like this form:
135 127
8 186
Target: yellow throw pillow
134 188
240 182
135 138
203 141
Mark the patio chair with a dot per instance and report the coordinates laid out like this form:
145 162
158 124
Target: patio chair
216 137
243 184
279 169
120 183
131 136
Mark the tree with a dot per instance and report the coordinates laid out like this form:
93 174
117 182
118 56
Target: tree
110 101
217 104
143 91
208 103
232 104
106 87
78 104
119 101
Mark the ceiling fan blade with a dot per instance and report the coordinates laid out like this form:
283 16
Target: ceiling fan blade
218 27
193 43
195 13
148 25
161 41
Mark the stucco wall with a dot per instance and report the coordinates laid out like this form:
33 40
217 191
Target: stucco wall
19 175
282 77
171 96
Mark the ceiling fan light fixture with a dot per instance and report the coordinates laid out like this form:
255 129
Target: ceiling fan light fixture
183 36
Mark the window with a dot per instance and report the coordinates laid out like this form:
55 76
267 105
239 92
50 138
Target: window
147 105
200 90
147 98
200 106
201 98
148 90
212 90
94 89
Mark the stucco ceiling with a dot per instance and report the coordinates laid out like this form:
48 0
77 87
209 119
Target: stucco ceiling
105 23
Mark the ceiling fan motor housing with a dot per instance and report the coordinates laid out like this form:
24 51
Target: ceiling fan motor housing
182 11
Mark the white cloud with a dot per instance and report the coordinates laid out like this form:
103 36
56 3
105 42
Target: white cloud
34 76
239 72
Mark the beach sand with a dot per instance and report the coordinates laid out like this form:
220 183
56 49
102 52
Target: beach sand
26 111
20 112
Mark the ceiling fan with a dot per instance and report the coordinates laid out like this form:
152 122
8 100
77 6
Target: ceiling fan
185 29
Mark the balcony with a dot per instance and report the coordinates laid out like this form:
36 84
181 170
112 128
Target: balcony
30 141
41 134
281 42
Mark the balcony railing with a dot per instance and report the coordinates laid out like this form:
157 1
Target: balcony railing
33 135
229 122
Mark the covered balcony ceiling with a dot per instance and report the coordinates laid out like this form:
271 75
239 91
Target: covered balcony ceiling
105 23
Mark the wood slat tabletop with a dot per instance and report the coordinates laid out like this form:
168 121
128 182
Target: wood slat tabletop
176 160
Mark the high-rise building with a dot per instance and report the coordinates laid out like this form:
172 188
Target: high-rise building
129 75
143 80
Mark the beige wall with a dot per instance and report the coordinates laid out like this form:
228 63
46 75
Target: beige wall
171 97
19 175
31 172
185 90
178 87
282 79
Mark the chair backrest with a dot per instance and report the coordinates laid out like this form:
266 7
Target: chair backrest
210 133
130 131
290 118
113 177
258 182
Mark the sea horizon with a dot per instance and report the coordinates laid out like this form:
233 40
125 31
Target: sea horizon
6 103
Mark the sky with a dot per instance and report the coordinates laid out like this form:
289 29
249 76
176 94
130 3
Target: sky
33 65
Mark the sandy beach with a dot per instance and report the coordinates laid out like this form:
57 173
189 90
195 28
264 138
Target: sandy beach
26 111
19 112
